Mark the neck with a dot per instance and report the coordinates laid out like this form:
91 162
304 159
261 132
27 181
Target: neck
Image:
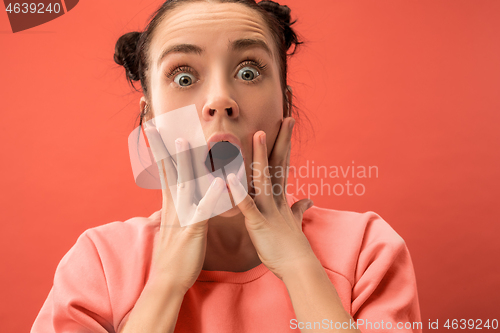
229 247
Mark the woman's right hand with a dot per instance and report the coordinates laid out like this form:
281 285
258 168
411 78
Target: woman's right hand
179 251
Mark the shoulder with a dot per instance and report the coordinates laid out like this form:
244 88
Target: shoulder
340 238
123 234
105 270
365 250
121 245
109 248
97 281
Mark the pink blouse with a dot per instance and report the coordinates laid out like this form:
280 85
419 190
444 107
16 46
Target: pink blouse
100 278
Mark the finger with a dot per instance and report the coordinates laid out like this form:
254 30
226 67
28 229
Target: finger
243 201
260 174
280 158
168 176
164 185
285 182
156 144
160 153
299 208
207 203
185 178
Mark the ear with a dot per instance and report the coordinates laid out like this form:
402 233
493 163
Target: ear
143 105
288 110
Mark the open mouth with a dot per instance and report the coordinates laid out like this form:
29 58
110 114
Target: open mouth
227 158
224 156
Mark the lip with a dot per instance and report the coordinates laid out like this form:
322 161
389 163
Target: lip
217 137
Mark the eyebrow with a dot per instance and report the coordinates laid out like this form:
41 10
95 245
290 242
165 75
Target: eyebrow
237 45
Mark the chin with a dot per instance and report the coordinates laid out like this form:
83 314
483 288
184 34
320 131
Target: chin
230 213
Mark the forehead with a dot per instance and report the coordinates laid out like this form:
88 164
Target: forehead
202 22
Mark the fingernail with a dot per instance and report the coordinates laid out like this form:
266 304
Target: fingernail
232 179
310 204
178 144
263 138
215 183
292 122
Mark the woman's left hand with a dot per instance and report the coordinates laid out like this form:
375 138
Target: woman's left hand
274 228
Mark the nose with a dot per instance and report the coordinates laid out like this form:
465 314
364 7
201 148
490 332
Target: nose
220 104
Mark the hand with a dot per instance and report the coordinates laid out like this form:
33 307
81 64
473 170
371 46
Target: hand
274 228
179 252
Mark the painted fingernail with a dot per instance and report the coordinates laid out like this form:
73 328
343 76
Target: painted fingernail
292 122
232 179
263 138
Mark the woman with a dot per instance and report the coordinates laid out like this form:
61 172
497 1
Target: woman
271 263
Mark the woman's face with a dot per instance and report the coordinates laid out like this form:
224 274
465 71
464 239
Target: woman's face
218 71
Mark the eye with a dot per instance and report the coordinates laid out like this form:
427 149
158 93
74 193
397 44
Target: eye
184 79
248 73
251 69
185 76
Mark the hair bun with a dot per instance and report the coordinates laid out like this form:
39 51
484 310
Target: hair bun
282 14
126 54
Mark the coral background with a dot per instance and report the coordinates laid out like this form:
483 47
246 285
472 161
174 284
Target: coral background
408 86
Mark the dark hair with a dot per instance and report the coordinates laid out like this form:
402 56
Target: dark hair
131 49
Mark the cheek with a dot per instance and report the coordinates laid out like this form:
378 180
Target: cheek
164 101
264 105
271 114
165 98
266 110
